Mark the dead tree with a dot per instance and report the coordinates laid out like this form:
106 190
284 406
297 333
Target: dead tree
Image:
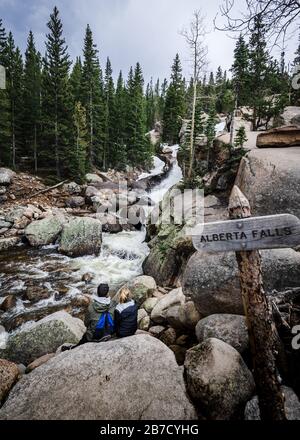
194 37
260 322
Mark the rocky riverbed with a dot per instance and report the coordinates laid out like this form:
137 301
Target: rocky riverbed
190 357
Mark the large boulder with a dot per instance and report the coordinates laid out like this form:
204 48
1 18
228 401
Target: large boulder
218 380
93 178
270 179
184 316
159 312
42 337
6 176
43 232
212 280
141 288
291 405
81 236
288 136
169 249
134 378
9 374
231 329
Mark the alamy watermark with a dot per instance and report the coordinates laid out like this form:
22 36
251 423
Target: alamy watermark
2 78
296 339
296 78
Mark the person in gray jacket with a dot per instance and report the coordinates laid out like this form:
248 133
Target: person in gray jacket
99 319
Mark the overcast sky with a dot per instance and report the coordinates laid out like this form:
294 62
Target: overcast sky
125 30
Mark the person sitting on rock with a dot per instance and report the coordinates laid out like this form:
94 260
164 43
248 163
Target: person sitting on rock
126 315
99 319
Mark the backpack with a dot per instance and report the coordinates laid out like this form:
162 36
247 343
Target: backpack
105 326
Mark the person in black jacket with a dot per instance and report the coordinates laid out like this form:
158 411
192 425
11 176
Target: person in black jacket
125 315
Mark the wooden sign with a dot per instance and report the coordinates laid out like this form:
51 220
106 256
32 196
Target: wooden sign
269 232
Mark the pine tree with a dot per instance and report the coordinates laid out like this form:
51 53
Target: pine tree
78 168
150 106
14 84
240 71
219 76
76 82
32 100
199 130
139 151
5 126
258 71
118 153
162 99
174 104
109 99
210 127
56 99
92 100
240 138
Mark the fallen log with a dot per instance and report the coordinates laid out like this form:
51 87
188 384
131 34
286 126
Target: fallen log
43 191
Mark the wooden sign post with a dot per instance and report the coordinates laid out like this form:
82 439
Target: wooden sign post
246 235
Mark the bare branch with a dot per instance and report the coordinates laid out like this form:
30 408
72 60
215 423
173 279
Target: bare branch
278 16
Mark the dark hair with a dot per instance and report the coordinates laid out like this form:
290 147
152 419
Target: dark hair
102 290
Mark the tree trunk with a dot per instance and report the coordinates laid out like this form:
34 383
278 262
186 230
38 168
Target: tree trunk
192 146
260 322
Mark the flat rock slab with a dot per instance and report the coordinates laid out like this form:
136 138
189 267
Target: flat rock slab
288 136
135 378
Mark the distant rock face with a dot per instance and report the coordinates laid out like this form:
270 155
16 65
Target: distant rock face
270 179
292 406
9 374
135 378
6 176
290 116
288 136
81 236
218 380
231 329
43 337
212 281
43 232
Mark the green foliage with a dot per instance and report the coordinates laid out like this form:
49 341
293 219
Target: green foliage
240 71
109 103
32 101
78 160
240 137
118 153
139 149
93 100
75 82
56 98
174 105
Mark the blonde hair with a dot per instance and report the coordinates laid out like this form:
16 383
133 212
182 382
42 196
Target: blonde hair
125 295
